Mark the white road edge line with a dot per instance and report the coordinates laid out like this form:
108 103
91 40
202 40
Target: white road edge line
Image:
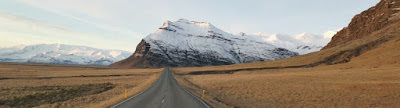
192 94
137 94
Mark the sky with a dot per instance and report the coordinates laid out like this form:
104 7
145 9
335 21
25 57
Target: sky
121 24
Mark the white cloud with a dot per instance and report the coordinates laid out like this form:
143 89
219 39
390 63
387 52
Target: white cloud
16 30
96 9
88 12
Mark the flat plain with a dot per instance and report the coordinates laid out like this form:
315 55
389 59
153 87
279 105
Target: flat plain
37 85
303 87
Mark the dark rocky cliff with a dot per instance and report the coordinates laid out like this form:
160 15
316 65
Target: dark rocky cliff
385 13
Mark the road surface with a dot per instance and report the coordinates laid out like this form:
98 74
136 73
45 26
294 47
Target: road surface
165 93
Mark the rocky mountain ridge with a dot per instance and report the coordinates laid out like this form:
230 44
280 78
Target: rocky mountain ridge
186 43
385 13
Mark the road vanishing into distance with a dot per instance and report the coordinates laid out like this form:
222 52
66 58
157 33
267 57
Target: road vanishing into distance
165 93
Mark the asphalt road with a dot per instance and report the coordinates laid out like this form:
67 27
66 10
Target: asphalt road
165 93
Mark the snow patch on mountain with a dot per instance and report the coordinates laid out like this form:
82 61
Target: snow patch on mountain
61 54
303 43
192 43
205 38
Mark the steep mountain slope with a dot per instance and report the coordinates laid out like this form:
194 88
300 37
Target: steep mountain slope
385 13
190 43
61 54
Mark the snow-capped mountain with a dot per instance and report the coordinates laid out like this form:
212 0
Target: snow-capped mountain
61 54
303 43
191 43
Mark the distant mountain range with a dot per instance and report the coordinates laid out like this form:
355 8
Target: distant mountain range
61 54
303 43
190 43
178 43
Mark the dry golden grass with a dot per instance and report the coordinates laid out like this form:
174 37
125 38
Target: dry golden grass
304 87
98 86
369 80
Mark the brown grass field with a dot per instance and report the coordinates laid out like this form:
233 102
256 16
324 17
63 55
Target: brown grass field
35 85
370 79
303 87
